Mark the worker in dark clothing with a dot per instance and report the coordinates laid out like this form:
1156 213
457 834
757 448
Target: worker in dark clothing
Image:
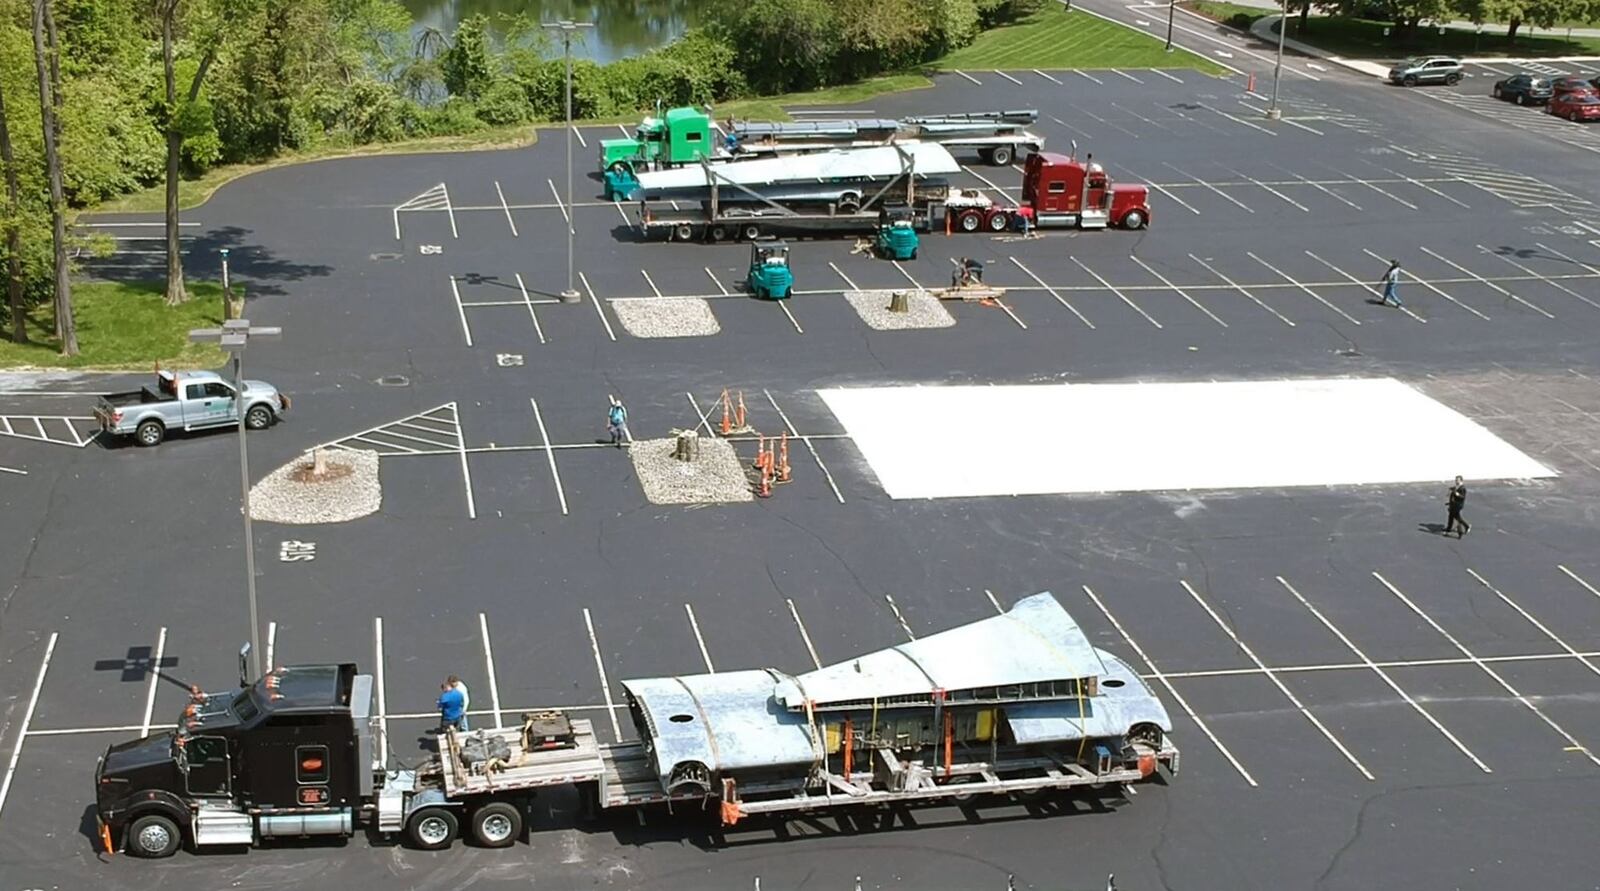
1455 501
970 272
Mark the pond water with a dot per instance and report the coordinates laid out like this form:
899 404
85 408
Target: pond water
622 28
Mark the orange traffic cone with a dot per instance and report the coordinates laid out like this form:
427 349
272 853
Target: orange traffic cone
727 426
739 415
783 459
766 482
761 453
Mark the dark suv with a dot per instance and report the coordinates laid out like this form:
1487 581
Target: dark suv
1425 70
1524 89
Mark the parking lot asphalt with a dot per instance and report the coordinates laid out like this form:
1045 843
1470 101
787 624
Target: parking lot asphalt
1357 697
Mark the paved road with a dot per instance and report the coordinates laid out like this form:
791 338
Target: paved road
423 284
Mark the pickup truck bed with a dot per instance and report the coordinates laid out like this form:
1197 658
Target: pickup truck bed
134 397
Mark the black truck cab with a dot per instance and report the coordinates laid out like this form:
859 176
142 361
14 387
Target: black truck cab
290 754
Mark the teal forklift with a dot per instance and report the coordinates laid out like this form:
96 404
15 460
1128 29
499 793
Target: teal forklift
896 239
769 277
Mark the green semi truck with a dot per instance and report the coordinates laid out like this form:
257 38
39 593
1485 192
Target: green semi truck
681 136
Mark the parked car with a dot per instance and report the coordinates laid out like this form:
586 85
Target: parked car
1572 83
1524 89
1575 106
194 400
1426 70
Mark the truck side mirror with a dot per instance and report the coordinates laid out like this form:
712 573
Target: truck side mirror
244 665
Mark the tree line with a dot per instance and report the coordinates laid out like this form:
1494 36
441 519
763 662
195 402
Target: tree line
1408 16
99 98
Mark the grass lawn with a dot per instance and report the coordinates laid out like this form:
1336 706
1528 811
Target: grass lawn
1364 38
1073 39
123 326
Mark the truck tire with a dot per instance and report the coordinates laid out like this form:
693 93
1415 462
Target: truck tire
969 221
683 232
497 824
749 231
432 829
1000 155
1133 219
998 221
149 433
717 234
259 417
849 202
152 836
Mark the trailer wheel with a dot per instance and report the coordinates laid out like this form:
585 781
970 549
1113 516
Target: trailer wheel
259 417
999 221
432 829
970 221
718 233
1133 219
1000 155
497 824
749 231
849 202
153 835
683 232
149 433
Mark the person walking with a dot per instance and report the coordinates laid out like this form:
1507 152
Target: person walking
1454 502
617 423
466 699
452 709
1391 285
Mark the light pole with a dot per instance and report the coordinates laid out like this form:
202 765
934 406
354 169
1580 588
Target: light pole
1172 6
567 29
232 337
1273 112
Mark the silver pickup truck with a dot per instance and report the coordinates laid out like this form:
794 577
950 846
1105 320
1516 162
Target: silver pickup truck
190 400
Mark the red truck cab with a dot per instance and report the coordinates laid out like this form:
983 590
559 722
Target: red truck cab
1060 190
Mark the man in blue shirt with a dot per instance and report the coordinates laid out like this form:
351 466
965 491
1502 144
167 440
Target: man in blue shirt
617 423
452 708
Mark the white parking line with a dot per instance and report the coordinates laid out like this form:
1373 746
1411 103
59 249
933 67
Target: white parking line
1320 186
970 77
1552 283
13 470
1318 297
1127 75
1276 681
651 282
990 594
1363 285
804 635
605 685
1080 71
1235 285
27 719
784 305
1046 76
1535 622
1384 676
1579 579
1008 77
1179 291
1051 291
1113 289
529 302
155 677
846 278
1164 74
550 453
598 311
488 667
704 653
811 448
902 619
579 133
1294 123
1199 181
1419 184
625 219
1391 196
1237 120
701 415
1273 191
716 281
377 683
272 643
503 206
1176 696
1494 675
449 209
1084 133
564 215
1465 271
461 311
1428 285
1562 256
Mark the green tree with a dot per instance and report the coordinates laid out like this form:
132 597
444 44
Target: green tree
467 67
46 53
13 225
781 45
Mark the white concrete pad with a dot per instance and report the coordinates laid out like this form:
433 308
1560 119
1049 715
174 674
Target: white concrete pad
963 441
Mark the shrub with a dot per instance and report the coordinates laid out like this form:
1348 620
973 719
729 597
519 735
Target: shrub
503 102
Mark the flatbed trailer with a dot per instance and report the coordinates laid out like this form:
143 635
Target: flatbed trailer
999 138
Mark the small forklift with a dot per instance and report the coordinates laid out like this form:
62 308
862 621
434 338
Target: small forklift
769 277
896 239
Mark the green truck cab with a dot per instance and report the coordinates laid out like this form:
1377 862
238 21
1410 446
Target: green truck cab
681 136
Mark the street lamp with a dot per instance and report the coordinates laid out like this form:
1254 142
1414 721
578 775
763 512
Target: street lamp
567 29
1172 6
1273 112
232 337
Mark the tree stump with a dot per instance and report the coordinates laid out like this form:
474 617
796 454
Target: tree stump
319 463
686 447
900 301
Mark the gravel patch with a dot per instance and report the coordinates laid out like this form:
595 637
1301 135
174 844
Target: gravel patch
924 310
666 317
351 490
717 476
